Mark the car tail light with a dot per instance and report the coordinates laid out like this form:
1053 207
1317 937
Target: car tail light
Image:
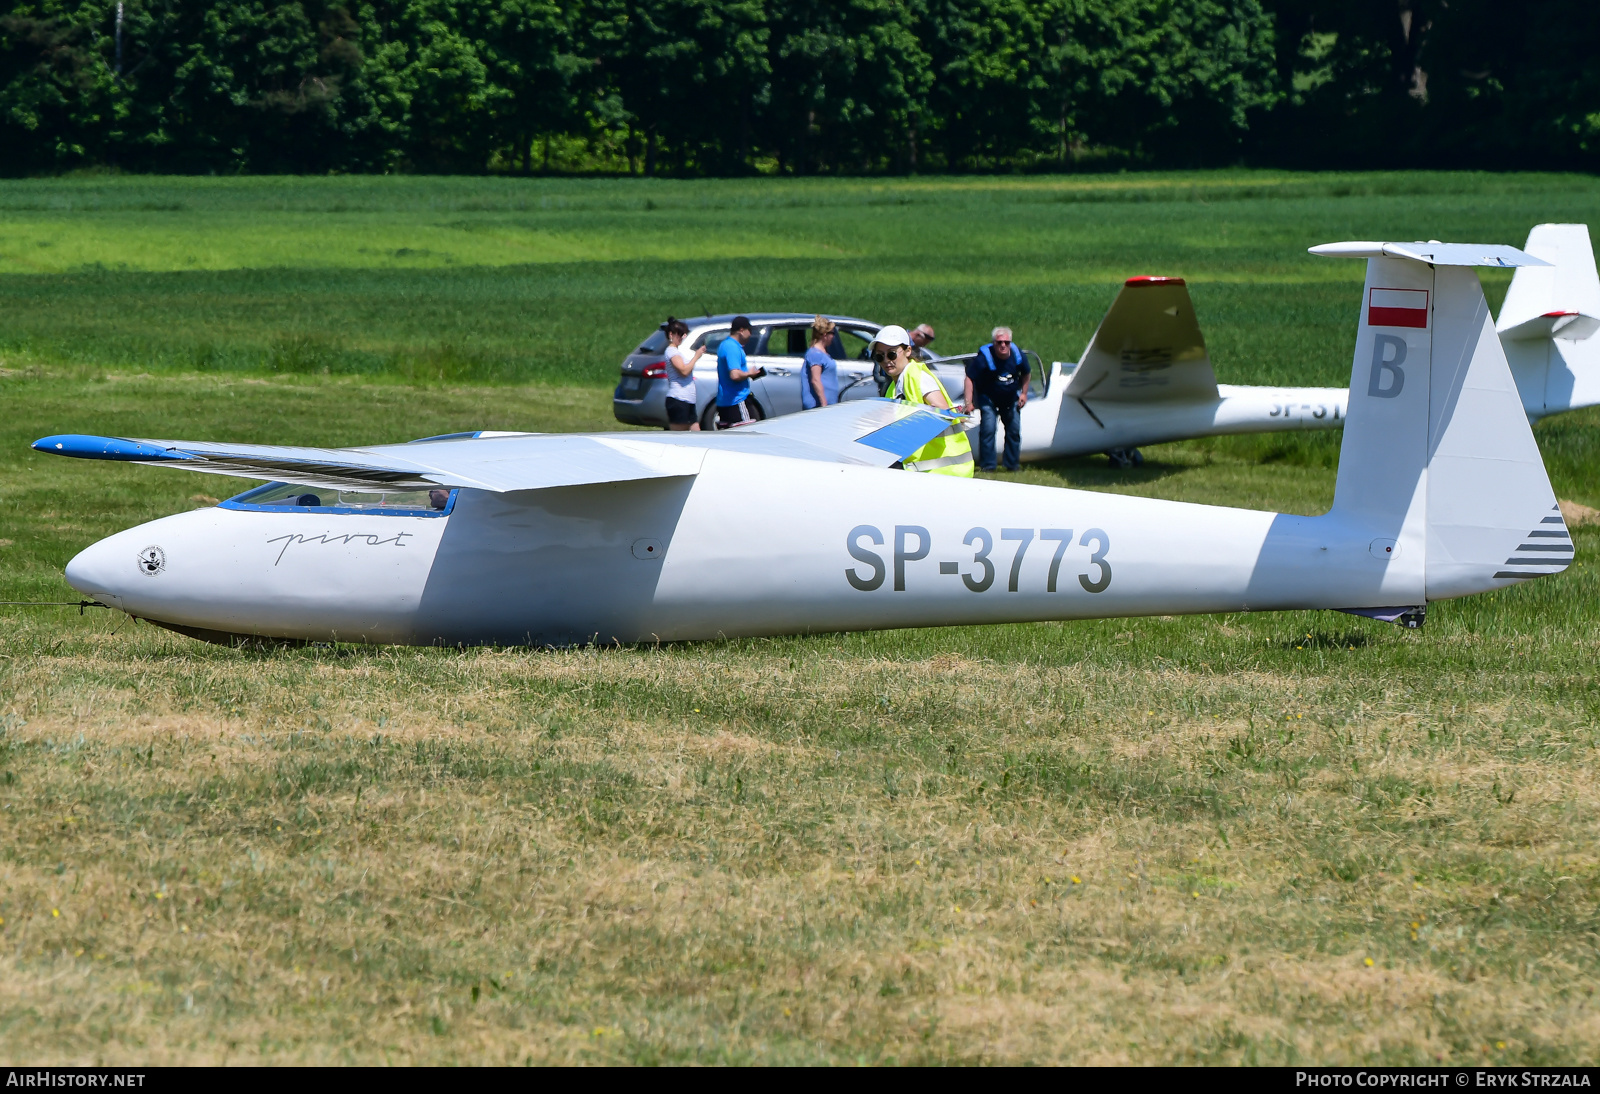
655 372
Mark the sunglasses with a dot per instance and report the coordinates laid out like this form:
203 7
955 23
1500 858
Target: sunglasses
1002 341
885 355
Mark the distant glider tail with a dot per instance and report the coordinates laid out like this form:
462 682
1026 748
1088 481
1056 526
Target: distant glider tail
1560 300
1148 348
1548 321
1438 460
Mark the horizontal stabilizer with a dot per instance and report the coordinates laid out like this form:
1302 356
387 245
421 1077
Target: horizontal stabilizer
1571 326
1433 253
1148 348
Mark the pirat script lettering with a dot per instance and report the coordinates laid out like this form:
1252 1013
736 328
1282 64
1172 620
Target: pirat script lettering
371 540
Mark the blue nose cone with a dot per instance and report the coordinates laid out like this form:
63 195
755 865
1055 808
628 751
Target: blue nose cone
85 447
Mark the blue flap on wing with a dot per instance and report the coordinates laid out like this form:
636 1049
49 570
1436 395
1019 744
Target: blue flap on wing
909 434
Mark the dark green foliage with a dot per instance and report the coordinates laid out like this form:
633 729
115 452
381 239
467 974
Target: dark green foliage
728 87
1428 83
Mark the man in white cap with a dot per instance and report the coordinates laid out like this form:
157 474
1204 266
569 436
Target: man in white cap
910 382
921 339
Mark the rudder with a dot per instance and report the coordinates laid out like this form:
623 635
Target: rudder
1490 504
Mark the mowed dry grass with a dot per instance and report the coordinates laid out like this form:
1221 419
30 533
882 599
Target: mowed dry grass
1156 841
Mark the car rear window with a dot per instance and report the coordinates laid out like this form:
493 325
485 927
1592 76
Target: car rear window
711 340
656 343
850 344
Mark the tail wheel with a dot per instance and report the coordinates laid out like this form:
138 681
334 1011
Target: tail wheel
1124 458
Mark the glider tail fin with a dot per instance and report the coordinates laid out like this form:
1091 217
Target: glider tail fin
1548 321
1561 300
1148 348
1438 461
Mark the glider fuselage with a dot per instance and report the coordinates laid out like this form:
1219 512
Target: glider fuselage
1059 425
724 554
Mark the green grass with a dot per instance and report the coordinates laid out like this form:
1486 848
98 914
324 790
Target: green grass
523 280
1290 838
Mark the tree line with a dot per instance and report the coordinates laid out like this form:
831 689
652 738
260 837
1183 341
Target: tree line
720 87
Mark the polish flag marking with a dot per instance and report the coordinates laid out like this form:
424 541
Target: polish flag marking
1398 308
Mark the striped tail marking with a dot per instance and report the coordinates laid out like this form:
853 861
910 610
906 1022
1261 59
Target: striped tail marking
1548 549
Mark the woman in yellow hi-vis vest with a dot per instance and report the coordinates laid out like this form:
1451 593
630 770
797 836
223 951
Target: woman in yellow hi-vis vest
910 381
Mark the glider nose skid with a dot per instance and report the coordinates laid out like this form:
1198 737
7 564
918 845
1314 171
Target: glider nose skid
275 574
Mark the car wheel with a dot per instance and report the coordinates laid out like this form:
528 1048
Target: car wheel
709 422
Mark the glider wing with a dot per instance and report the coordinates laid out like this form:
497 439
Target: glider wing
872 431
498 464
876 432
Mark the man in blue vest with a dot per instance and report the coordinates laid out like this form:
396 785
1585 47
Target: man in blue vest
997 384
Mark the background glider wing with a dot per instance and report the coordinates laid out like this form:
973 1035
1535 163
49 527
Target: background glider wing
1148 348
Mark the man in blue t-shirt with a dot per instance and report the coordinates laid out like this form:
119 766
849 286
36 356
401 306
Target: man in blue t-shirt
734 376
997 384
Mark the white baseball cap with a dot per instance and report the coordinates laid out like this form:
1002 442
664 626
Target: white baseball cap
892 336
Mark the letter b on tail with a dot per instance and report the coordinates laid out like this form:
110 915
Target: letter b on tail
1387 378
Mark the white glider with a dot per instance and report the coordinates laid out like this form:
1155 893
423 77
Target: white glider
1146 378
563 539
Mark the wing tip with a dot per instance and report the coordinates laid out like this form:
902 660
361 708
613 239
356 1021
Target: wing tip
1152 279
84 446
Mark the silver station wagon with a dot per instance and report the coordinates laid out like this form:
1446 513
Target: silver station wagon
778 344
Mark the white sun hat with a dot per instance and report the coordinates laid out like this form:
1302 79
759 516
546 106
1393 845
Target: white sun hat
892 335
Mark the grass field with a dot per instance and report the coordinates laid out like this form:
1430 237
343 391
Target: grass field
1274 838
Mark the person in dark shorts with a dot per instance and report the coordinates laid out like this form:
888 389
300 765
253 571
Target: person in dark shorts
734 376
681 406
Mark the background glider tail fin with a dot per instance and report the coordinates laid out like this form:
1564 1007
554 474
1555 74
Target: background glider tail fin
1549 319
1561 300
1148 348
1438 462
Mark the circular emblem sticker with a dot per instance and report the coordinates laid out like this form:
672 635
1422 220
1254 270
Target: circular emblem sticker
152 560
